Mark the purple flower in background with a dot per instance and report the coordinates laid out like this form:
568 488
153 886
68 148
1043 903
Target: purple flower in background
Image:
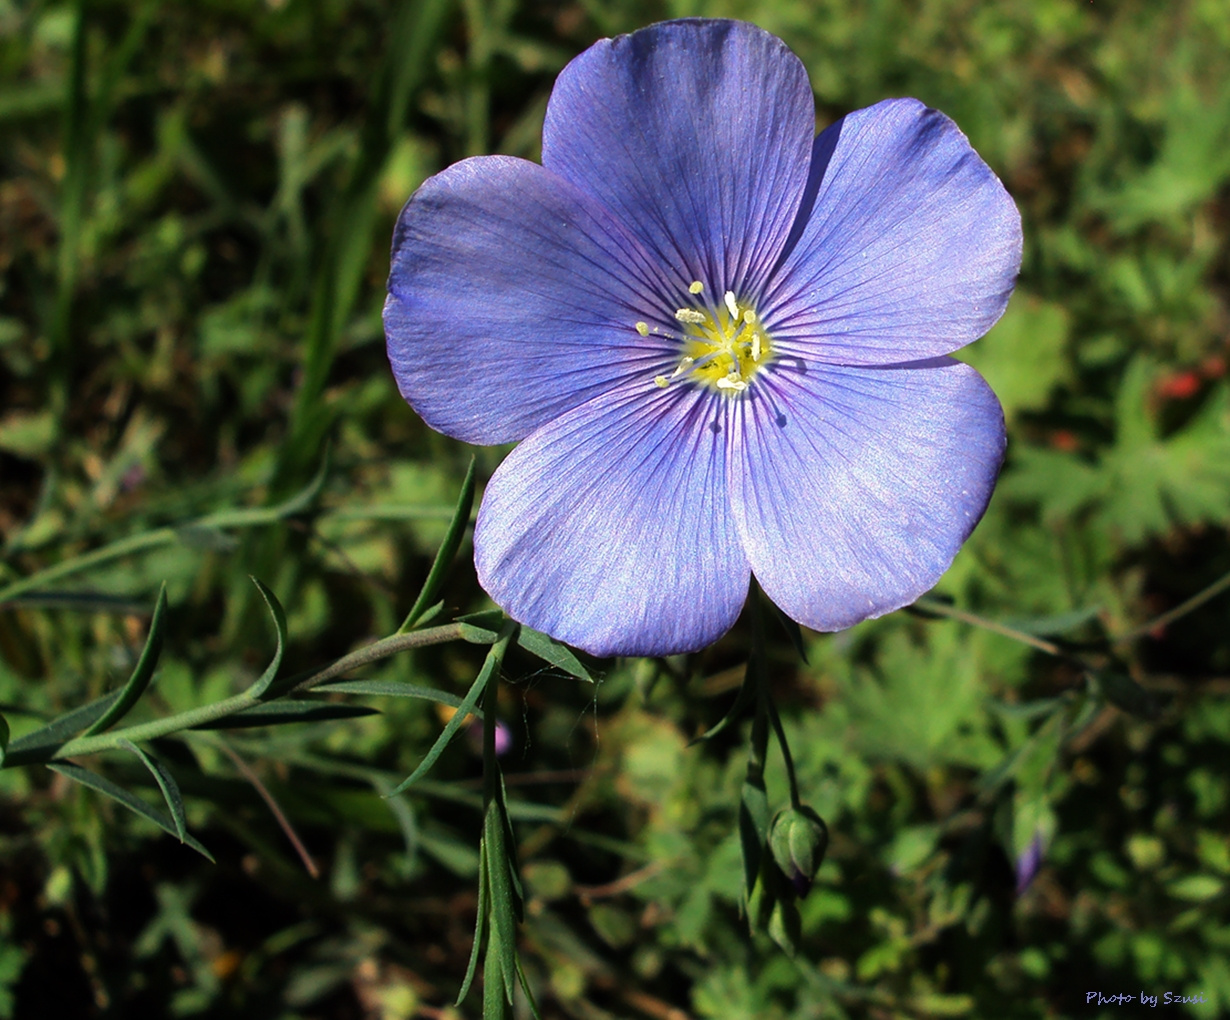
1028 862
721 340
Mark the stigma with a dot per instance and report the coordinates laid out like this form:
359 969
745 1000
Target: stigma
723 345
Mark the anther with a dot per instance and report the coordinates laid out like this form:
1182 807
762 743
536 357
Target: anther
696 287
643 328
732 304
690 315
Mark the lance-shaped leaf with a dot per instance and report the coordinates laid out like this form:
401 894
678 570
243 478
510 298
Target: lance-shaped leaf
134 803
142 673
45 741
166 783
394 689
481 628
444 556
480 924
288 710
743 701
262 686
549 650
467 706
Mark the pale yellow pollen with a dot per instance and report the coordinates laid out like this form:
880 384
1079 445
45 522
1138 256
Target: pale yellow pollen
696 287
643 328
722 347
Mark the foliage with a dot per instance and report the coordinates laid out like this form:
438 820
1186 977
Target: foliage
1024 780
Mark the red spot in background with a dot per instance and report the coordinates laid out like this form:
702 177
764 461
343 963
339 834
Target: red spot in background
1179 386
1065 440
1213 367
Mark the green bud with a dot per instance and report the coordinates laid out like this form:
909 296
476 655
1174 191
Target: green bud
798 839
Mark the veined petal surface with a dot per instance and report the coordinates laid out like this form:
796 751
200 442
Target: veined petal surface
513 297
610 528
853 488
697 135
911 249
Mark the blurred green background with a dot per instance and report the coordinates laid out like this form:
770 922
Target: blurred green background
196 202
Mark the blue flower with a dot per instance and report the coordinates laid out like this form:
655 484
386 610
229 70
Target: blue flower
720 339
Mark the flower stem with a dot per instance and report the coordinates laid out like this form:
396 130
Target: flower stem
766 710
205 714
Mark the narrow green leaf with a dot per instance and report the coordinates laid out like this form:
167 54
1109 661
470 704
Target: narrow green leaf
4 739
495 1005
206 538
142 673
480 922
481 628
743 701
753 830
793 631
510 846
261 687
503 941
305 497
552 651
448 550
44 742
288 710
395 689
117 793
785 925
430 613
166 783
529 995
1050 626
79 602
466 707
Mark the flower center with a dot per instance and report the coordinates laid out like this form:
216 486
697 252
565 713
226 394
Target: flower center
723 347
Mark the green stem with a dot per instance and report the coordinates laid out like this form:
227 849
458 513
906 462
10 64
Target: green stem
491 764
937 608
237 703
766 711
1182 609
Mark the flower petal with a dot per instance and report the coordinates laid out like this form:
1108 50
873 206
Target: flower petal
697 135
610 528
853 488
911 249
513 296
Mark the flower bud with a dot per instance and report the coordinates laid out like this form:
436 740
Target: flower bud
798 839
